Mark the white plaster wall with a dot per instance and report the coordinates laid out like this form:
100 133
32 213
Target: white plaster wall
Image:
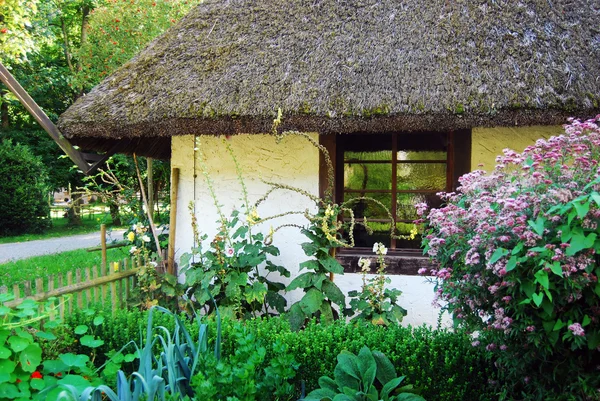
295 162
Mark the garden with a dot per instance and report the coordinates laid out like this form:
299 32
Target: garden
514 260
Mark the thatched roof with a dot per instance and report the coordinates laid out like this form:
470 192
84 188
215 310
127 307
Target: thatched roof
347 66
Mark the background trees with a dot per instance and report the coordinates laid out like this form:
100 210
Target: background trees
58 50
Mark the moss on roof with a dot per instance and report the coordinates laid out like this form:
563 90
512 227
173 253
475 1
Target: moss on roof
352 65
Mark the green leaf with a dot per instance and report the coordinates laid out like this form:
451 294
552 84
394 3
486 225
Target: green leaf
76 381
528 288
559 324
309 248
30 358
593 339
98 320
321 394
331 265
580 241
511 264
310 264
556 268
582 208
538 225
586 321
302 281
385 368
333 292
518 248
409 397
311 302
55 366
8 391
44 335
390 385
4 352
348 363
596 197
541 276
18 344
296 317
326 313
365 362
81 329
72 360
37 384
537 298
498 253
91 341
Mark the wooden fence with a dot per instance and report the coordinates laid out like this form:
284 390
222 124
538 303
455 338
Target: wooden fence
86 287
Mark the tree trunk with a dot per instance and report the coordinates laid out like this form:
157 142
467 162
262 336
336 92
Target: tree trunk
114 213
4 111
74 212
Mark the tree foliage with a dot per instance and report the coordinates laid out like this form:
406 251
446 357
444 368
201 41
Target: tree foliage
23 191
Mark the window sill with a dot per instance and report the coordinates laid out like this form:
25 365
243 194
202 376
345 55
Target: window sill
405 263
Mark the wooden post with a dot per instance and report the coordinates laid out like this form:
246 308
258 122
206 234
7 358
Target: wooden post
103 244
69 282
150 180
113 290
88 293
79 294
173 221
332 252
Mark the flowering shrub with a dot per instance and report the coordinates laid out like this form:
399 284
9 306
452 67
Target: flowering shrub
374 302
517 259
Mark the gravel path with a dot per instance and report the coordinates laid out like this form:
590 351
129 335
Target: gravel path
24 250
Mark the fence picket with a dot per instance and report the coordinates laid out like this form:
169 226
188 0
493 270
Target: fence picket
79 294
88 293
69 282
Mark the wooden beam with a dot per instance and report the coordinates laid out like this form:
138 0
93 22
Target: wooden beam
173 221
43 119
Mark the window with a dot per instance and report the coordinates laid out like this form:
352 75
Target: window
397 170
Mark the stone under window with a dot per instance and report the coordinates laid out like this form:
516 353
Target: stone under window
398 170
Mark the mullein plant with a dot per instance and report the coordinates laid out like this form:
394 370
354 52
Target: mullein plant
374 302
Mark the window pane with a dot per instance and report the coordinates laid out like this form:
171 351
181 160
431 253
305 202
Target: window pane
385 155
367 176
369 209
421 155
424 176
405 204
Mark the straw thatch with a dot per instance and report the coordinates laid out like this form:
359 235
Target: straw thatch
347 66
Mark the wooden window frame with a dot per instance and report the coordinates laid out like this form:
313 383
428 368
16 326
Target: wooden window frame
400 261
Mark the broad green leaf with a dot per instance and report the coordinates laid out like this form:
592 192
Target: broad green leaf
518 248
582 208
538 225
7 366
18 344
537 298
8 391
98 320
72 360
311 301
81 329
310 264
390 385
302 281
365 361
541 277
333 292
586 321
593 339
326 313
331 265
37 384
296 317
54 366
385 368
76 381
30 358
4 352
528 288
596 197
498 253
328 383
45 335
511 264
91 341
579 242
309 248
558 325
409 397
321 394
556 268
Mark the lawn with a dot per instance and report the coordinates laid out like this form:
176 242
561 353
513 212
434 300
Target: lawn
48 265
60 228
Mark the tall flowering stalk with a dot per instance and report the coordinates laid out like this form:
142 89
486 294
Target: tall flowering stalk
516 255
374 302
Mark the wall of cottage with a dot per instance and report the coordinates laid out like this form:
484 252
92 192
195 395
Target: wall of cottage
487 143
295 162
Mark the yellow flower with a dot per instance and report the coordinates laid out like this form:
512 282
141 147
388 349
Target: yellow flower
131 236
116 266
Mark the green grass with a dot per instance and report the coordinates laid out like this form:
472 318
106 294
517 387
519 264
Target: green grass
60 228
48 265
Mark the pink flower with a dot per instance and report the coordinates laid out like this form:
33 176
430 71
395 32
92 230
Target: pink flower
422 270
229 252
577 330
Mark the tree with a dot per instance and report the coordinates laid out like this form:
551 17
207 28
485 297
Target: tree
23 191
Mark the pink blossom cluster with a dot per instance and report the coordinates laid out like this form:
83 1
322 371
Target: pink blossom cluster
503 237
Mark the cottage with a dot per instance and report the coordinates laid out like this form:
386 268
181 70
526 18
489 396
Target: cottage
405 95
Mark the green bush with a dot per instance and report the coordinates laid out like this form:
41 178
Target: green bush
440 364
23 191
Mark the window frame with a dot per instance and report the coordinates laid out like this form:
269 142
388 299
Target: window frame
400 261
